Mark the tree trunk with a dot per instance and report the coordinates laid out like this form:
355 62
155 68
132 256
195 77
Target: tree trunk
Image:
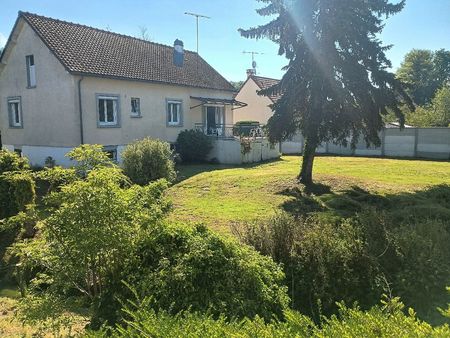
309 152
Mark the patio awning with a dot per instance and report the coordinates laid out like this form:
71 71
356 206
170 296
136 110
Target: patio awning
210 100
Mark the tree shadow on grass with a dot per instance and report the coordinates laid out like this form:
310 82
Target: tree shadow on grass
430 203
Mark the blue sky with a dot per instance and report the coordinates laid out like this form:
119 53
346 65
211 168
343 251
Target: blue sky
422 24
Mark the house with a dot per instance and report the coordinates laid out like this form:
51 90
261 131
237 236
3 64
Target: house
258 108
64 84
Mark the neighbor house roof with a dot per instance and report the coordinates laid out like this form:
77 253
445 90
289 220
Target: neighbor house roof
266 82
90 51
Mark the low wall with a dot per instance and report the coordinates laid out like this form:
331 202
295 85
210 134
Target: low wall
432 143
230 151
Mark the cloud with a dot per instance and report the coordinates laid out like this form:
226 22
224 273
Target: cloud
2 40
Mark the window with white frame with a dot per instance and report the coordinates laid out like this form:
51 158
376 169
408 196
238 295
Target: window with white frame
15 112
108 110
174 113
31 71
135 107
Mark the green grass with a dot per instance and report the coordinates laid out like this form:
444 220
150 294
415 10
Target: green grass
219 195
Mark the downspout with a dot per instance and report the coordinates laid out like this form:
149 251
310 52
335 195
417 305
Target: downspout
80 105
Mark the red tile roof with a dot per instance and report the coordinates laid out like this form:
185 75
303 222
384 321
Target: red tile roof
266 82
91 51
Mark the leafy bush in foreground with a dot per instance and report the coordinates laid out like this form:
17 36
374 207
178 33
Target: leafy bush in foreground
148 160
184 267
324 262
10 161
386 320
88 157
193 145
17 189
327 260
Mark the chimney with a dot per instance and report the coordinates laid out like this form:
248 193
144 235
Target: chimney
251 72
178 53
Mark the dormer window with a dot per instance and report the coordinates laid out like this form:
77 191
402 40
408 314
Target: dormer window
31 71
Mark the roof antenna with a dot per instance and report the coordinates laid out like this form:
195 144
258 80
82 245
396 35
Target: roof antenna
252 71
196 17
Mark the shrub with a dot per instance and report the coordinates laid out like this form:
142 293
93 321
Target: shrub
243 128
89 157
185 267
357 259
148 160
10 161
193 145
324 262
17 190
386 320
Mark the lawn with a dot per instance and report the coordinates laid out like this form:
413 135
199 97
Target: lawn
219 195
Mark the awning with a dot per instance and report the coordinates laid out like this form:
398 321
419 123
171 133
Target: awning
211 100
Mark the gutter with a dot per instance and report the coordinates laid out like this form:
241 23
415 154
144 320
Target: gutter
80 105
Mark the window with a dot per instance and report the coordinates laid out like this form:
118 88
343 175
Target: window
111 151
108 110
173 113
31 71
15 112
135 107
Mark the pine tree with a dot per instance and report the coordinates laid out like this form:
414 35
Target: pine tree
337 85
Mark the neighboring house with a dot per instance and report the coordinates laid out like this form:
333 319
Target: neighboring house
408 142
257 108
63 84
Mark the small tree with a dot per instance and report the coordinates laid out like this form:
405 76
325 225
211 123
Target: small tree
148 160
94 226
337 85
88 157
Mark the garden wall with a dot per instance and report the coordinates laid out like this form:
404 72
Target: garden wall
433 143
231 151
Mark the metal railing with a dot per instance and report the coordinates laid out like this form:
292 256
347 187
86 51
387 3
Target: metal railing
231 130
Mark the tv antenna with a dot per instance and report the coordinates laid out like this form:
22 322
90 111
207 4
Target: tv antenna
253 58
196 17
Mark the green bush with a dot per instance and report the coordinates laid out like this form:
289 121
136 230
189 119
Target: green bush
10 161
328 259
325 262
193 145
184 267
386 320
17 190
147 160
414 257
88 157
243 128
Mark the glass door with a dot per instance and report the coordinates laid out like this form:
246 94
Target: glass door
214 120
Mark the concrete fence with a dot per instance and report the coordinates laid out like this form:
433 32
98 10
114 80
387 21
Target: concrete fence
230 151
433 143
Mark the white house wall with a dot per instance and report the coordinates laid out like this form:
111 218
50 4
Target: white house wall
153 120
48 110
257 108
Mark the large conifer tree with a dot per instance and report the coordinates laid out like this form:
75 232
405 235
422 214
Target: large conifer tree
337 84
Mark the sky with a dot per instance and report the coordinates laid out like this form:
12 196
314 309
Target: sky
423 24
